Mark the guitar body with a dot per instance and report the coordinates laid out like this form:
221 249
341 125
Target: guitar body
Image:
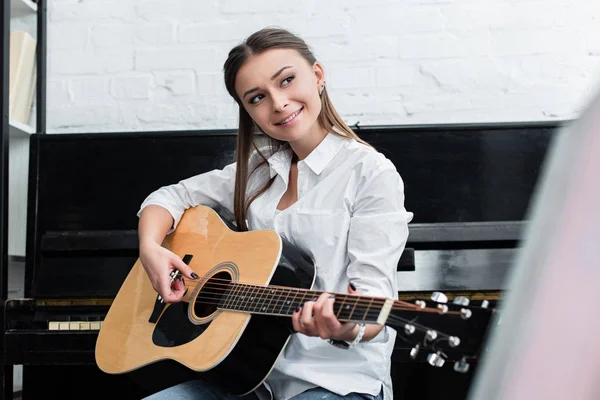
234 350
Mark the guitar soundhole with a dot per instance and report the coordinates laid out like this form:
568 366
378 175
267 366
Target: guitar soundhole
211 294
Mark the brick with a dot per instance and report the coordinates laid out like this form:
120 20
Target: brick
178 83
415 103
91 90
114 59
155 34
77 117
58 92
368 103
443 45
177 10
461 73
398 20
131 87
68 36
69 62
201 112
200 59
357 49
244 7
162 113
108 35
349 78
526 41
92 11
396 76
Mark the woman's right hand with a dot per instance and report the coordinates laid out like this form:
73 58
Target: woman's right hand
159 262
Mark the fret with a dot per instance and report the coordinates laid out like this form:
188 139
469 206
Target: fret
252 298
304 296
354 308
261 298
227 297
233 296
239 298
292 307
272 294
345 309
340 306
243 295
285 301
367 309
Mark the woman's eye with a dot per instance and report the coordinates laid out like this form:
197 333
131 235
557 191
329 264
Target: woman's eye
288 80
256 99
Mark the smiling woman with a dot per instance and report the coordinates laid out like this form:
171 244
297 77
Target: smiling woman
323 190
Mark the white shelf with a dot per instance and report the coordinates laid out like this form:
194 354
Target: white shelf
18 129
19 8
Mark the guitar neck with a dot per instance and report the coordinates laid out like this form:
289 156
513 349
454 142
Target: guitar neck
283 301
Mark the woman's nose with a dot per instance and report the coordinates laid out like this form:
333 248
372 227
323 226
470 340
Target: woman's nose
280 101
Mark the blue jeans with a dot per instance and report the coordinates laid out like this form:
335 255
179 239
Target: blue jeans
197 389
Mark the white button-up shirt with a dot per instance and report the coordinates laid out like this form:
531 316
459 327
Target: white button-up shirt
350 217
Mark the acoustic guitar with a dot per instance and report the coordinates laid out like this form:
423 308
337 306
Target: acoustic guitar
234 321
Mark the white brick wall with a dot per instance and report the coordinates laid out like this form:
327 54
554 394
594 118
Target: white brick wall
122 65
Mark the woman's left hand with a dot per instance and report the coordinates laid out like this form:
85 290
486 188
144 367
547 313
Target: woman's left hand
316 318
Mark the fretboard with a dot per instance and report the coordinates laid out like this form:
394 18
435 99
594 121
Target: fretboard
281 301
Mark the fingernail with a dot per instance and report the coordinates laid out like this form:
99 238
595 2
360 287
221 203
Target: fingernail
194 276
332 296
313 299
352 286
298 309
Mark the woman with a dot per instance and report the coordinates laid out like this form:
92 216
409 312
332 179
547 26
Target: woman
321 188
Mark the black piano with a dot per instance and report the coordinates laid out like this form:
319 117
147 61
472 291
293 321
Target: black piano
469 187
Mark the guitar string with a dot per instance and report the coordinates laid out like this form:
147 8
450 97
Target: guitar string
284 289
289 290
218 298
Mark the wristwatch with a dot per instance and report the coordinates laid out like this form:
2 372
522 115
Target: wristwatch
342 344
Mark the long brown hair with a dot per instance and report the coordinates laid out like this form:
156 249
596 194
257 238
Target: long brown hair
258 42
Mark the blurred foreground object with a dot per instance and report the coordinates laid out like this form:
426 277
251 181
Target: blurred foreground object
545 346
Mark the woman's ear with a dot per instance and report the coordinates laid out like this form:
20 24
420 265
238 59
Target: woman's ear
319 73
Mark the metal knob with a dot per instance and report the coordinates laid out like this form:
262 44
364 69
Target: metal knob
453 341
414 351
409 329
461 366
465 313
443 308
431 335
420 303
461 301
439 297
436 359
485 304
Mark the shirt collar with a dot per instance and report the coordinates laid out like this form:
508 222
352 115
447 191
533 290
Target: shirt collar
317 160
322 155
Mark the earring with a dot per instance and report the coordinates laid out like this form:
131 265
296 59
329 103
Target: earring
321 88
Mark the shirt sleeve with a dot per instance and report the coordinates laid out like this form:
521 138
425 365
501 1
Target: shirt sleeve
378 234
213 189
